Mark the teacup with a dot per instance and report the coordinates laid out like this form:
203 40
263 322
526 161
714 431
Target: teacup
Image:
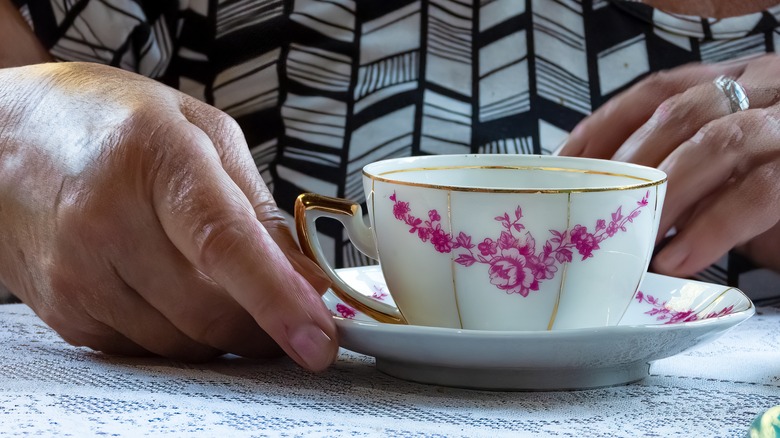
498 242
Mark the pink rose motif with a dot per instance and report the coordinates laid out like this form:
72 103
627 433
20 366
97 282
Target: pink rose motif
434 216
511 272
612 228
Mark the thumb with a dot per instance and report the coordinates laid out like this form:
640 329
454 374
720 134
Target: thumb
211 221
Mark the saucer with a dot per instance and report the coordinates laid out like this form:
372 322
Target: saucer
667 316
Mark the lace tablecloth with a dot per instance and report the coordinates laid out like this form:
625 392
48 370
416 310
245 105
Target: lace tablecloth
48 388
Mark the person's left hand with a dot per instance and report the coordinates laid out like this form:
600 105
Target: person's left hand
723 167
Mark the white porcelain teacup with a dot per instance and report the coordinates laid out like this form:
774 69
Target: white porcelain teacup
498 242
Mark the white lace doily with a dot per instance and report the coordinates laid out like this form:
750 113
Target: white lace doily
48 388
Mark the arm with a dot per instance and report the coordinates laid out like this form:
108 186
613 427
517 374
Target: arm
18 44
133 219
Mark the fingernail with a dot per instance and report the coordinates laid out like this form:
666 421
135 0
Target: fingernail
313 346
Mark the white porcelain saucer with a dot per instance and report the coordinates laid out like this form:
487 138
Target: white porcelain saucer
668 316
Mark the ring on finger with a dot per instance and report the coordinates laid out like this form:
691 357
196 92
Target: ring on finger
735 93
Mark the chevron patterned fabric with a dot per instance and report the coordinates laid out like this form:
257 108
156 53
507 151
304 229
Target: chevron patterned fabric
322 87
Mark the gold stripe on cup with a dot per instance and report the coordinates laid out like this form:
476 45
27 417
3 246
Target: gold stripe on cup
452 262
554 313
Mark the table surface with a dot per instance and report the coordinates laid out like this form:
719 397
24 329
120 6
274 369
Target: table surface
49 388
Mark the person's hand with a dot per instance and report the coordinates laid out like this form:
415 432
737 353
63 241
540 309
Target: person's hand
723 167
133 221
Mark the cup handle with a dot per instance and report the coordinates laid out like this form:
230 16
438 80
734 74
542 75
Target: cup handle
308 208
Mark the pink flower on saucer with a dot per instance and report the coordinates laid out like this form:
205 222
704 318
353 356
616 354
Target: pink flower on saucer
345 311
379 293
663 312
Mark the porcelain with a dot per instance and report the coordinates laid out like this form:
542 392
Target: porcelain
499 242
666 316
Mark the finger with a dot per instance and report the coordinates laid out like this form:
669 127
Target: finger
720 182
602 133
109 341
674 121
212 223
718 227
193 302
81 330
763 248
102 313
239 164
130 315
722 149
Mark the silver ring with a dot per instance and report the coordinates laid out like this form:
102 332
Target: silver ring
738 100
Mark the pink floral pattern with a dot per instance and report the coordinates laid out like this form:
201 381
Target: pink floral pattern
515 265
670 316
345 311
379 293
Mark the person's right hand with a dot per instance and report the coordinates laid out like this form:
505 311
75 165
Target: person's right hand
133 221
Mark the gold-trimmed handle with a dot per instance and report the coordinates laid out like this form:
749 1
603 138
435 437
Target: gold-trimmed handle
308 208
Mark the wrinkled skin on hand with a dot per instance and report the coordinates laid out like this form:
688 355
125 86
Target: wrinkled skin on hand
724 169
134 221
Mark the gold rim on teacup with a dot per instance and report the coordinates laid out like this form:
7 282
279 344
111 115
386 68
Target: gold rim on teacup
383 177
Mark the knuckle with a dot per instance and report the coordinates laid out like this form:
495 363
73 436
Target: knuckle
227 125
218 240
673 109
764 119
271 217
721 136
227 132
660 83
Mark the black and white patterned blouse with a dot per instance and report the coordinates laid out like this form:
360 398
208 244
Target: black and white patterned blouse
322 87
